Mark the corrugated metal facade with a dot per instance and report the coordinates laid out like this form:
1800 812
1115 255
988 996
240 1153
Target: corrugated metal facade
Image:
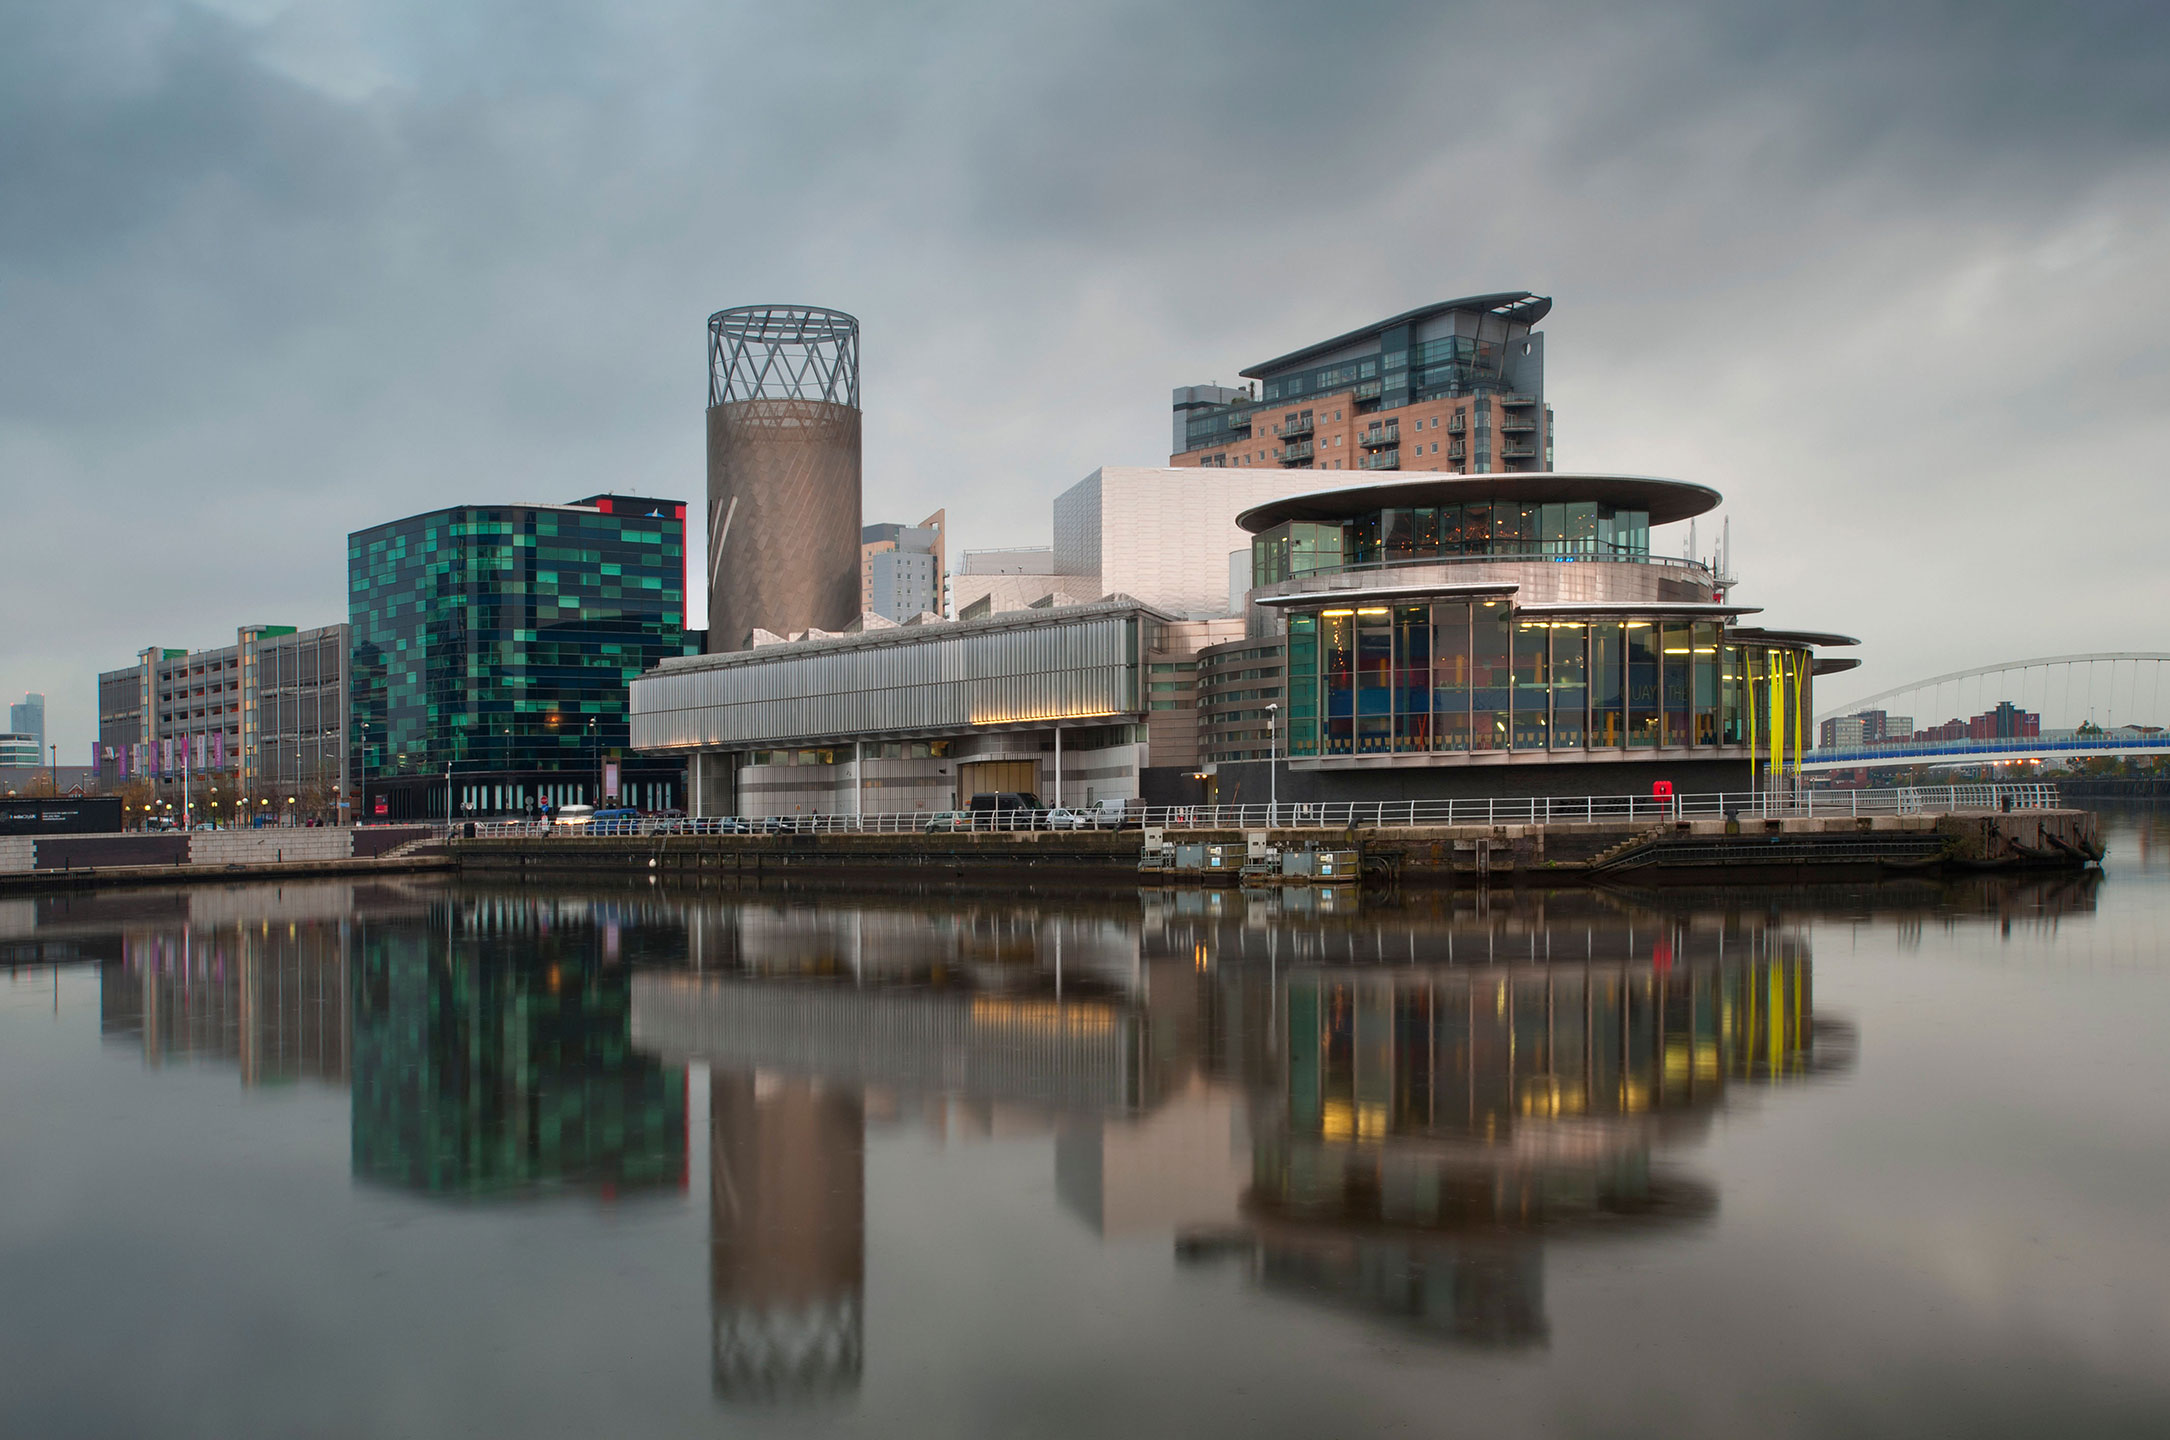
948 679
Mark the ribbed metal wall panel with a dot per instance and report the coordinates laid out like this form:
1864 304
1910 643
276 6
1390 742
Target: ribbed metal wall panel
783 506
1083 1057
948 680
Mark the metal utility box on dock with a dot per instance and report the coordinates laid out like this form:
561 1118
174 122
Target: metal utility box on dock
1343 866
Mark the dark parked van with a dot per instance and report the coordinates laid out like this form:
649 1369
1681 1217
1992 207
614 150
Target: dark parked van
1006 810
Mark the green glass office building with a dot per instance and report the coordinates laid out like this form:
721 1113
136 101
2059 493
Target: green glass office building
493 645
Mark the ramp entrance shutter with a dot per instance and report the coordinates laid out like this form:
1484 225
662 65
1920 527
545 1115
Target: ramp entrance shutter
983 777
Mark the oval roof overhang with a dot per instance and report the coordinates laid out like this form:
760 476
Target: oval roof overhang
1666 500
1795 637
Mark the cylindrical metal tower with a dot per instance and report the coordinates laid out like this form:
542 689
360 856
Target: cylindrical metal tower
783 471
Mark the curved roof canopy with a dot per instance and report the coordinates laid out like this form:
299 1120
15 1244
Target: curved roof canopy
1518 306
1795 637
1666 500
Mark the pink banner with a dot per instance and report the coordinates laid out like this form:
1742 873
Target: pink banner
218 750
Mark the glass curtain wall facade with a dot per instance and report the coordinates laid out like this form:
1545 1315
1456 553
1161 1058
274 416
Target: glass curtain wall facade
501 640
1504 529
1474 675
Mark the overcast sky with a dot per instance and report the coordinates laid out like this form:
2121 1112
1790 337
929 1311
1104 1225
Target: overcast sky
1894 278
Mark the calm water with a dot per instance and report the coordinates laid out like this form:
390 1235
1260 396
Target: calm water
410 1159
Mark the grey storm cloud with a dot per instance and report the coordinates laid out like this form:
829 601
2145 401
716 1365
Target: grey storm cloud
270 270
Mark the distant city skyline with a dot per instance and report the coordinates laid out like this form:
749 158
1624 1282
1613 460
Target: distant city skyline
283 269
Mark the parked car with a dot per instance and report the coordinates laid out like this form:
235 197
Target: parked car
1063 818
1101 815
1006 810
943 821
785 824
573 814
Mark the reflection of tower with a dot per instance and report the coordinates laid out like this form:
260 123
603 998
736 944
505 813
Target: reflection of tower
783 471
787 1247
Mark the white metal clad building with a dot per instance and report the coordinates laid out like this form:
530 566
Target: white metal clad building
1023 667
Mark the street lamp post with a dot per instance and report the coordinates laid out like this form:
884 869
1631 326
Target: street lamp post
1273 764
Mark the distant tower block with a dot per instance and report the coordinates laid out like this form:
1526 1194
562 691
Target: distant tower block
783 471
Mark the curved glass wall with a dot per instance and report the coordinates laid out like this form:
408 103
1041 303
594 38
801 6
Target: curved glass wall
1473 675
1502 529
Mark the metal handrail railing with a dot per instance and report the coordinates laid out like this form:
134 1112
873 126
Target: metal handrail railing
1337 815
1510 557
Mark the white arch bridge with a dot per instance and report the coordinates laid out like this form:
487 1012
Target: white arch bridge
2050 707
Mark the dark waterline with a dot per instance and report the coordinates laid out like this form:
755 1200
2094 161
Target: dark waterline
418 1158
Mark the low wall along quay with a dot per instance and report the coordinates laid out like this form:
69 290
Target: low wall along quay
28 862
1635 849
1640 841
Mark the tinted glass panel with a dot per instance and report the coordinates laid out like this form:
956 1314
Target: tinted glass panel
1532 684
1642 683
1337 680
1705 644
1676 657
1374 680
1412 677
1608 662
1450 676
1570 685
1492 675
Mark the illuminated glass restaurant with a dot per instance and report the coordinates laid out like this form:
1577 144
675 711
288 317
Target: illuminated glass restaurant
1437 629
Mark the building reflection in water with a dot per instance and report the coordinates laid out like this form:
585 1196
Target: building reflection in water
190 982
1389 1108
1433 1126
1388 1111
484 1039
492 1056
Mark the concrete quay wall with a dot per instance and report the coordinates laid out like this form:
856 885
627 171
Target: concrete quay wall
1826 848
30 863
